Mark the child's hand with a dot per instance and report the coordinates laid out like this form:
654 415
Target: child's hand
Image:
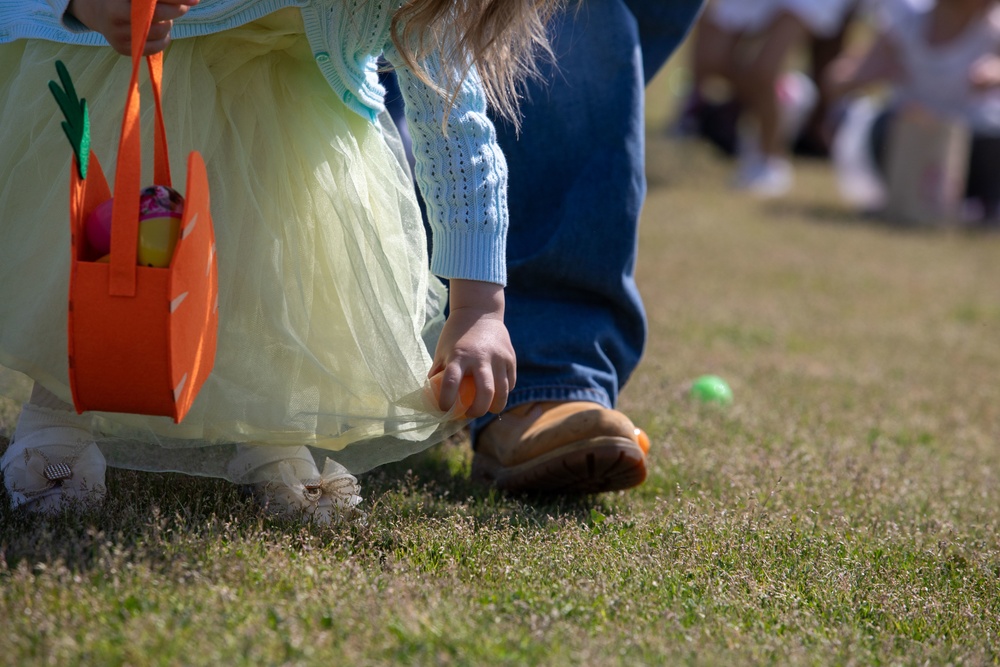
113 19
475 343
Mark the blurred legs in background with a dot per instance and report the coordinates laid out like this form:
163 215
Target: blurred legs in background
746 47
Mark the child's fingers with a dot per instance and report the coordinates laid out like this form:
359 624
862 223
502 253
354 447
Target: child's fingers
504 384
499 402
474 391
163 22
485 389
510 369
158 39
159 32
446 385
168 10
468 391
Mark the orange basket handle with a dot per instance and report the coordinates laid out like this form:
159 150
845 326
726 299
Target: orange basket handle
128 176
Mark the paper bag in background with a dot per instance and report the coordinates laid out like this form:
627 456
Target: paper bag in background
927 161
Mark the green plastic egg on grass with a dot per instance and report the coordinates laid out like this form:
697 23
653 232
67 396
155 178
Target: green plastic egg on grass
711 389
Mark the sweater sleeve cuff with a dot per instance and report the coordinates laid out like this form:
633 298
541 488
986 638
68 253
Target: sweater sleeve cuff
470 257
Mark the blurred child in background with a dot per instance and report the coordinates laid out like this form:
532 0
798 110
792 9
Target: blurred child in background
747 44
941 59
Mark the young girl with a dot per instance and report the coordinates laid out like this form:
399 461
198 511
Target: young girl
940 58
327 308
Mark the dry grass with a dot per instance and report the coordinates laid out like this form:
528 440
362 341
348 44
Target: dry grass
843 510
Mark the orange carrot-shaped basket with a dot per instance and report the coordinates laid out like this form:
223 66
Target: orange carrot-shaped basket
141 339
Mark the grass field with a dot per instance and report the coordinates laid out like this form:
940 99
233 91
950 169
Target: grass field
843 511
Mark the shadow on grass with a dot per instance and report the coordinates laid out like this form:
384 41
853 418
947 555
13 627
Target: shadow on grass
437 483
143 512
146 515
829 214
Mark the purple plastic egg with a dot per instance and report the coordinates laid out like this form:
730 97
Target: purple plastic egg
159 201
155 202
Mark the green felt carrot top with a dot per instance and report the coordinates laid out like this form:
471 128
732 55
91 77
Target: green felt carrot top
77 123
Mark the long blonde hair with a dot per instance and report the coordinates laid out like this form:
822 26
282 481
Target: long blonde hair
501 38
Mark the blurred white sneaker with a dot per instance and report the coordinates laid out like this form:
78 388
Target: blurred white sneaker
797 97
858 177
766 178
52 462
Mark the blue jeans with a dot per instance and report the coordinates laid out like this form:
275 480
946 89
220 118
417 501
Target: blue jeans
577 183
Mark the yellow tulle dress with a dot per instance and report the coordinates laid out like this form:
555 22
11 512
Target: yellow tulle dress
327 307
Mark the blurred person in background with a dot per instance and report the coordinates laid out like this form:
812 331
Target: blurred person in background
813 139
941 59
747 44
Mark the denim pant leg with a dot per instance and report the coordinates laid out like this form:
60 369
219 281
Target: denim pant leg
663 25
577 183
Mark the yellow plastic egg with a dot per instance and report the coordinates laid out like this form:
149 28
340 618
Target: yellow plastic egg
157 238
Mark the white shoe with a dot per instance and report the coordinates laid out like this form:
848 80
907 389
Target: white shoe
767 177
53 462
858 177
797 97
286 483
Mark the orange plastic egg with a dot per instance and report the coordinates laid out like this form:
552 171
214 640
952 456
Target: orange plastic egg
642 439
466 393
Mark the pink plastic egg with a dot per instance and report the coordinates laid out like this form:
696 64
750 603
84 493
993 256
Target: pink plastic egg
160 212
98 228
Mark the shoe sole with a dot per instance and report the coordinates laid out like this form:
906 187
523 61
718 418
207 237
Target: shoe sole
589 466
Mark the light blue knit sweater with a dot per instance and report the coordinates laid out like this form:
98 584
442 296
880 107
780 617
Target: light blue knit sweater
462 173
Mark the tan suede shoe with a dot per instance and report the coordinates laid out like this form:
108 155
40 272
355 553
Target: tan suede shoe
561 447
